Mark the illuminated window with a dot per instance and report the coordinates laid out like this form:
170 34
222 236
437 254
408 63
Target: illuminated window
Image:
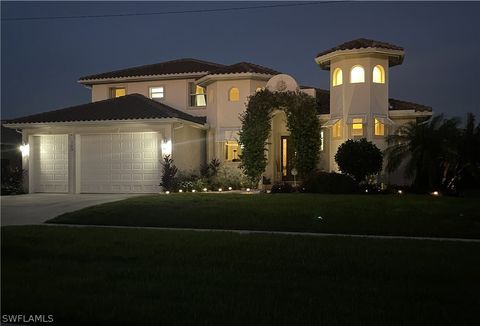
357 75
197 95
234 94
378 74
117 92
157 93
337 129
379 128
357 127
232 151
284 157
337 77
321 140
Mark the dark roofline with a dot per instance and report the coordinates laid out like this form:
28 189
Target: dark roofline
361 43
105 110
244 67
128 71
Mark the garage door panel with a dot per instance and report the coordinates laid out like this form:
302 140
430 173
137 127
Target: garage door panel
50 163
120 163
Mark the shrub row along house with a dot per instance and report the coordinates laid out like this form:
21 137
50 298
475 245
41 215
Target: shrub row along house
190 109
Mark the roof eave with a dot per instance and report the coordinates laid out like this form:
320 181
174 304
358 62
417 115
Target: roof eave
208 79
27 125
395 57
186 75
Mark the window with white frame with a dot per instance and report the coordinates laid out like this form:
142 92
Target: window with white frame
379 128
197 95
337 129
357 127
117 92
157 93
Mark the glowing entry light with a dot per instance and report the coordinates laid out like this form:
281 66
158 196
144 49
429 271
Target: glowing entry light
167 192
435 193
248 189
400 192
205 189
193 190
229 188
166 147
180 190
220 189
24 149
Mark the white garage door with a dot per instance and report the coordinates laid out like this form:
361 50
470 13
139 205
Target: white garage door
120 163
50 163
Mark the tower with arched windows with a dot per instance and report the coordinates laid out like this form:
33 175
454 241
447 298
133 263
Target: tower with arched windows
359 102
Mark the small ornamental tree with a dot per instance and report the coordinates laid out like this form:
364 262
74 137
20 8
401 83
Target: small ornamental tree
359 158
169 172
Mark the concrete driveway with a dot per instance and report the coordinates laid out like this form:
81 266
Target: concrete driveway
37 208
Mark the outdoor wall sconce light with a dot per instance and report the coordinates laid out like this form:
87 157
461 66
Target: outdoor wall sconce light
25 150
166 147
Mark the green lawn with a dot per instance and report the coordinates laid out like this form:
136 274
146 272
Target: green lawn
152 277
411 215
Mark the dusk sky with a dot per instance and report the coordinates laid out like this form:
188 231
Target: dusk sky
43 59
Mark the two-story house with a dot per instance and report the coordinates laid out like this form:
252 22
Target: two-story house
190 109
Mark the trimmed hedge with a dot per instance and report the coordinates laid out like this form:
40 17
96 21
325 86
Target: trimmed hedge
330 183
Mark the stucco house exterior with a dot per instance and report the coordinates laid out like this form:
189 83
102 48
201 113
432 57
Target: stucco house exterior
190 109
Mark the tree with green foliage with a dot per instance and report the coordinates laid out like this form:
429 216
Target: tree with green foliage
359 159
302 123
169 171
418 145
438 154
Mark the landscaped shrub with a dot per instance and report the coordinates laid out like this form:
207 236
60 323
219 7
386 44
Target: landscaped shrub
329 183
188 180
12 181
230 177
169 170
359 158
282 188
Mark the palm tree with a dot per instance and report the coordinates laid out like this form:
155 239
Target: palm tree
437 153
466 167
423 147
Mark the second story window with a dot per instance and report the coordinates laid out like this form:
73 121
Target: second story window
378 74
117 92
337 77
157 92
197 95
234 94
357 75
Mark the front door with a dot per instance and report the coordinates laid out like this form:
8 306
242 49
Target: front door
286 155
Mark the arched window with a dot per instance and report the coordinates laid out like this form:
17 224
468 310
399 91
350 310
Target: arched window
337 77
234 94
357 75
378 74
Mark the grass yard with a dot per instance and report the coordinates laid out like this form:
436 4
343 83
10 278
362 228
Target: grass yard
153 277
410 215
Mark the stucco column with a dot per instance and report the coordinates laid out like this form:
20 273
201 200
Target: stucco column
76 158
